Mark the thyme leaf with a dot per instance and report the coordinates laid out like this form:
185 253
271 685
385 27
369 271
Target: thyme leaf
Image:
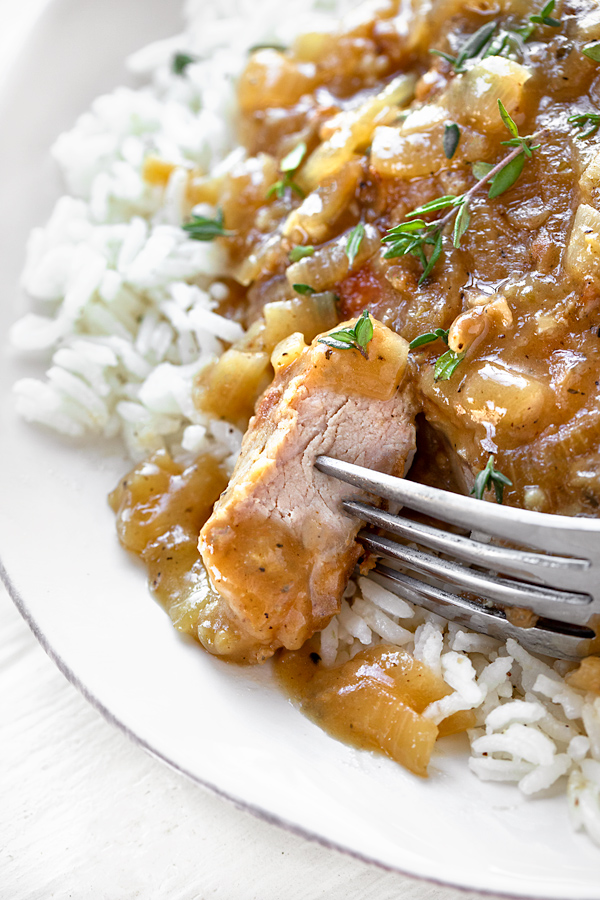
446 364
180 62
304 289
355 338
544 17
492 40
428 338
292 160
481 169
364 329
300 252
435 254
462 222
354 241
488 478
471 48
507 176
508 120
434 205
588 121
451 139
592 51
281 186
202 228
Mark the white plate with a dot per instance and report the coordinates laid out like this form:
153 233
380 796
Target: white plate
227 728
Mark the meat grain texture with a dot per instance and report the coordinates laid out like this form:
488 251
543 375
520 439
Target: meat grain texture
278 548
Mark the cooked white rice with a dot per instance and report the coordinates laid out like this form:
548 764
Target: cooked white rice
531 727
126 317
125 300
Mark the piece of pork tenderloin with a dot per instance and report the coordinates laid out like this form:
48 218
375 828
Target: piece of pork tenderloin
278 548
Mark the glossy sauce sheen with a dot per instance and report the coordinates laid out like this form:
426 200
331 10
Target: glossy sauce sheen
160 509
528 388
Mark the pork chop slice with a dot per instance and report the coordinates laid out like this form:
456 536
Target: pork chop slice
278 548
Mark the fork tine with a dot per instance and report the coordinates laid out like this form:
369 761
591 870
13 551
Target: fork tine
556 571
561 605
558 534
567 643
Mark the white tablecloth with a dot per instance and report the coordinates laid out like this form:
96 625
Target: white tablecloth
85 813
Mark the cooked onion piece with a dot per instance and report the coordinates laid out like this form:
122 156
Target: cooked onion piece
231 386
582 259
273 79
376 699
313 221
473 97
396 153
352 131
331 264
515 406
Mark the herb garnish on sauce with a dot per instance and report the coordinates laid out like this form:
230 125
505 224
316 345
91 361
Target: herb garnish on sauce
300 252
488 478
592 51
355 338
428 337
354 241
588 121
414 236
304 289
451 139
288 166
492 40
203 229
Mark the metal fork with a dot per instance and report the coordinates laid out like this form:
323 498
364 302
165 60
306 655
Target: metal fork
561 584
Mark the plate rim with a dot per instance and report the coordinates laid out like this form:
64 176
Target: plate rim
11 68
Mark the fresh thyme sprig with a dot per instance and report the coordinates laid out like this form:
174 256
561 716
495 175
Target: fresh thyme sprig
202 229
471 48
180 62
355 338
354 241
446 363
488 478
416 234
428 338
544 17
588 121
493 40
288 167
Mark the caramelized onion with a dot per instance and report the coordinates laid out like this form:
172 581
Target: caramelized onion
473 97
313 220
330 264
272 79
351 131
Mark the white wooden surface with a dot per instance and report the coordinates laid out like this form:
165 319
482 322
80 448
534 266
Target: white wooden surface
85 813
